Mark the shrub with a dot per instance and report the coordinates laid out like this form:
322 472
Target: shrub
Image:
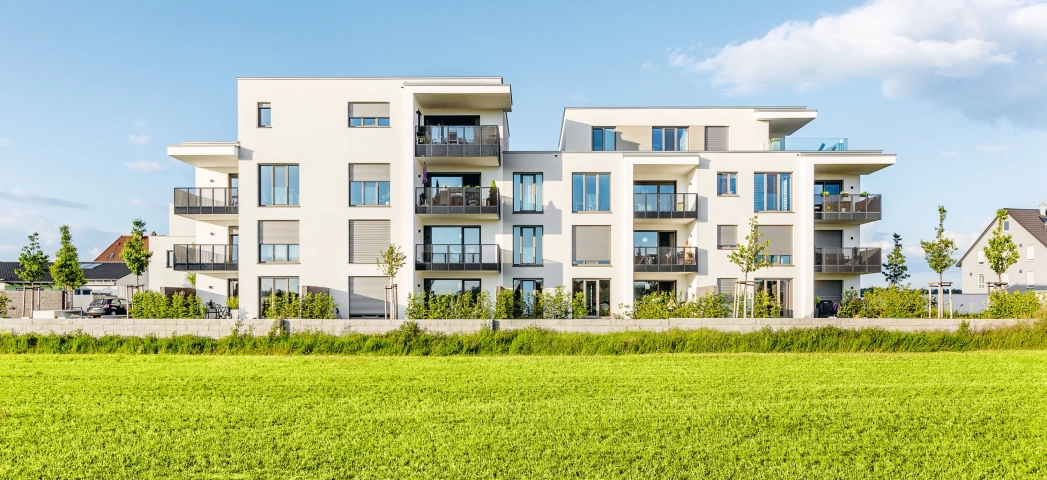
156 305
894 302
463 306
766 305
556 303
283 305
318 305
851 305
1019 304
233 303
578 307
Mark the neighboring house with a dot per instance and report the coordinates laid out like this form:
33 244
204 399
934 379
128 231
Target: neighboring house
112 252
108 278
1028 227
634 200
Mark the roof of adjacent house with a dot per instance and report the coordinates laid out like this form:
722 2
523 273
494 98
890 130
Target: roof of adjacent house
1027 218
112 253
92 271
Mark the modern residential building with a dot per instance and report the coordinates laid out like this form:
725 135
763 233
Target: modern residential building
1028 229
326 172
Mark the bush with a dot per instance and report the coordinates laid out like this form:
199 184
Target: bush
4 301
851 305
282 305
551 303
233 303
318 305
656 306
1019 304
156 305
878 302
451 307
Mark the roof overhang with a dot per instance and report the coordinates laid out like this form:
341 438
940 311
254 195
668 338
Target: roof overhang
467 96
209 155
850 162
785 121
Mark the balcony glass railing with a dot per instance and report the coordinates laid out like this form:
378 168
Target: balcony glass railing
847 260
847 207
793 144
458 141
457 200
207 200
458 257
665 259
204 257
665 205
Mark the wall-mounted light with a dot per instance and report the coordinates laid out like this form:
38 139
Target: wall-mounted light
419 113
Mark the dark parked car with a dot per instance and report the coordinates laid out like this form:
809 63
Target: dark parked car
107 306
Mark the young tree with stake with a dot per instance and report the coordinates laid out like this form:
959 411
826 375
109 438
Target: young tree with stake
1001 252
389 263
939 252
749 258
32 264
66 270
135 254
895 271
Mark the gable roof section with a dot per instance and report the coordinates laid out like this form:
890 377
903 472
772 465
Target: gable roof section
104 271
112 252
1027 218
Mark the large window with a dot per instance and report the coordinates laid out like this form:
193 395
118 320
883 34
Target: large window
368 114
597 293
603 139
277 185
265 115
367 240
780 248
591 245
278 241
369 184
773 192
527 245
269 287
647 287
668 139
654 196
592 192
525 290
451 286
452 245
726 183
527 192
367 297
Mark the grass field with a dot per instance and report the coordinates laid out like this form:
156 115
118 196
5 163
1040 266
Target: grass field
938 415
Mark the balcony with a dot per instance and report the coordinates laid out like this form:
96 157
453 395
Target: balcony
665 259
847 260
470 145
447 202
210 258
219 204
457 257
853 209
792 144
665 205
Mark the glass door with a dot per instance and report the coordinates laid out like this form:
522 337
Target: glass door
597 295
654 196
453 244
831 187
779 289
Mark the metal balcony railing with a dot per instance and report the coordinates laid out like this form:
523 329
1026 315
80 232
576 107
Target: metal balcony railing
457 200
665 205
205 257
847 260
665 259
842 207
207 201
458 141
795 144
475 257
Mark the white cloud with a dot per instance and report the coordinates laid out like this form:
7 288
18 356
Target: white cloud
137 202
94 252
139 139
22 196
5 142
146 166
992 149
648 67
981 56
139 123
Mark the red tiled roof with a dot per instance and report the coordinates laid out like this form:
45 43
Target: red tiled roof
112 254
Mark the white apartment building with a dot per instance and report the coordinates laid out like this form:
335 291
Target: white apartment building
326 172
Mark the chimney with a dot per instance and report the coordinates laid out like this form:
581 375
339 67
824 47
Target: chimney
1043 209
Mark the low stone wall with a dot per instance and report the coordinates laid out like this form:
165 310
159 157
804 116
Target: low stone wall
47 300
216 328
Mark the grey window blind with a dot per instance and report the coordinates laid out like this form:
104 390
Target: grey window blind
716 139
829 290
781 238
725 286
368 110
278 232
369 172
367 239
367 296
592 243
727 236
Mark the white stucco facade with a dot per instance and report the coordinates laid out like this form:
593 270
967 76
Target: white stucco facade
310 128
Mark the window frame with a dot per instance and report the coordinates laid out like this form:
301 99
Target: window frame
427 284
598 193
538 178
377 193
287 185
274 248
778 195
268 107
679 136
603 139
262 297
518 248
731 181
981 281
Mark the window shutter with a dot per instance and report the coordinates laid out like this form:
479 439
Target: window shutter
1030 252
725 286
369 172
981 257
282 232
367 240
367 296
758 192
727 235
592 243
368 110
716 139
831 290
781 238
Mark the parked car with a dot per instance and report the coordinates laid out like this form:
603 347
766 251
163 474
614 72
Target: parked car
107 306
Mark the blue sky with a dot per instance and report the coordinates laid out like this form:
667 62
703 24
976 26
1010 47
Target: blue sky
90 94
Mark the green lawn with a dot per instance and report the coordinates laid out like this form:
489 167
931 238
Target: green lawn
939 415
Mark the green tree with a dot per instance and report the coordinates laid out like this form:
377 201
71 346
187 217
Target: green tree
66 270
939 252
895 270
32 264
1001 252
749 255
191 278
135 254
389 262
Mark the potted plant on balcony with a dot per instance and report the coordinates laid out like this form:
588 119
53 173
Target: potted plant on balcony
492 196
825 193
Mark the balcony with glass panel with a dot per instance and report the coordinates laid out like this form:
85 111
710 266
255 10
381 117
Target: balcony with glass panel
682 206
204 258
471 145
458 257
215 205
795 144
451 202
847 260
665 259
843 208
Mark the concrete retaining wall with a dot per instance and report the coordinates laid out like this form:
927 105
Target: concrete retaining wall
46 299
216 328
